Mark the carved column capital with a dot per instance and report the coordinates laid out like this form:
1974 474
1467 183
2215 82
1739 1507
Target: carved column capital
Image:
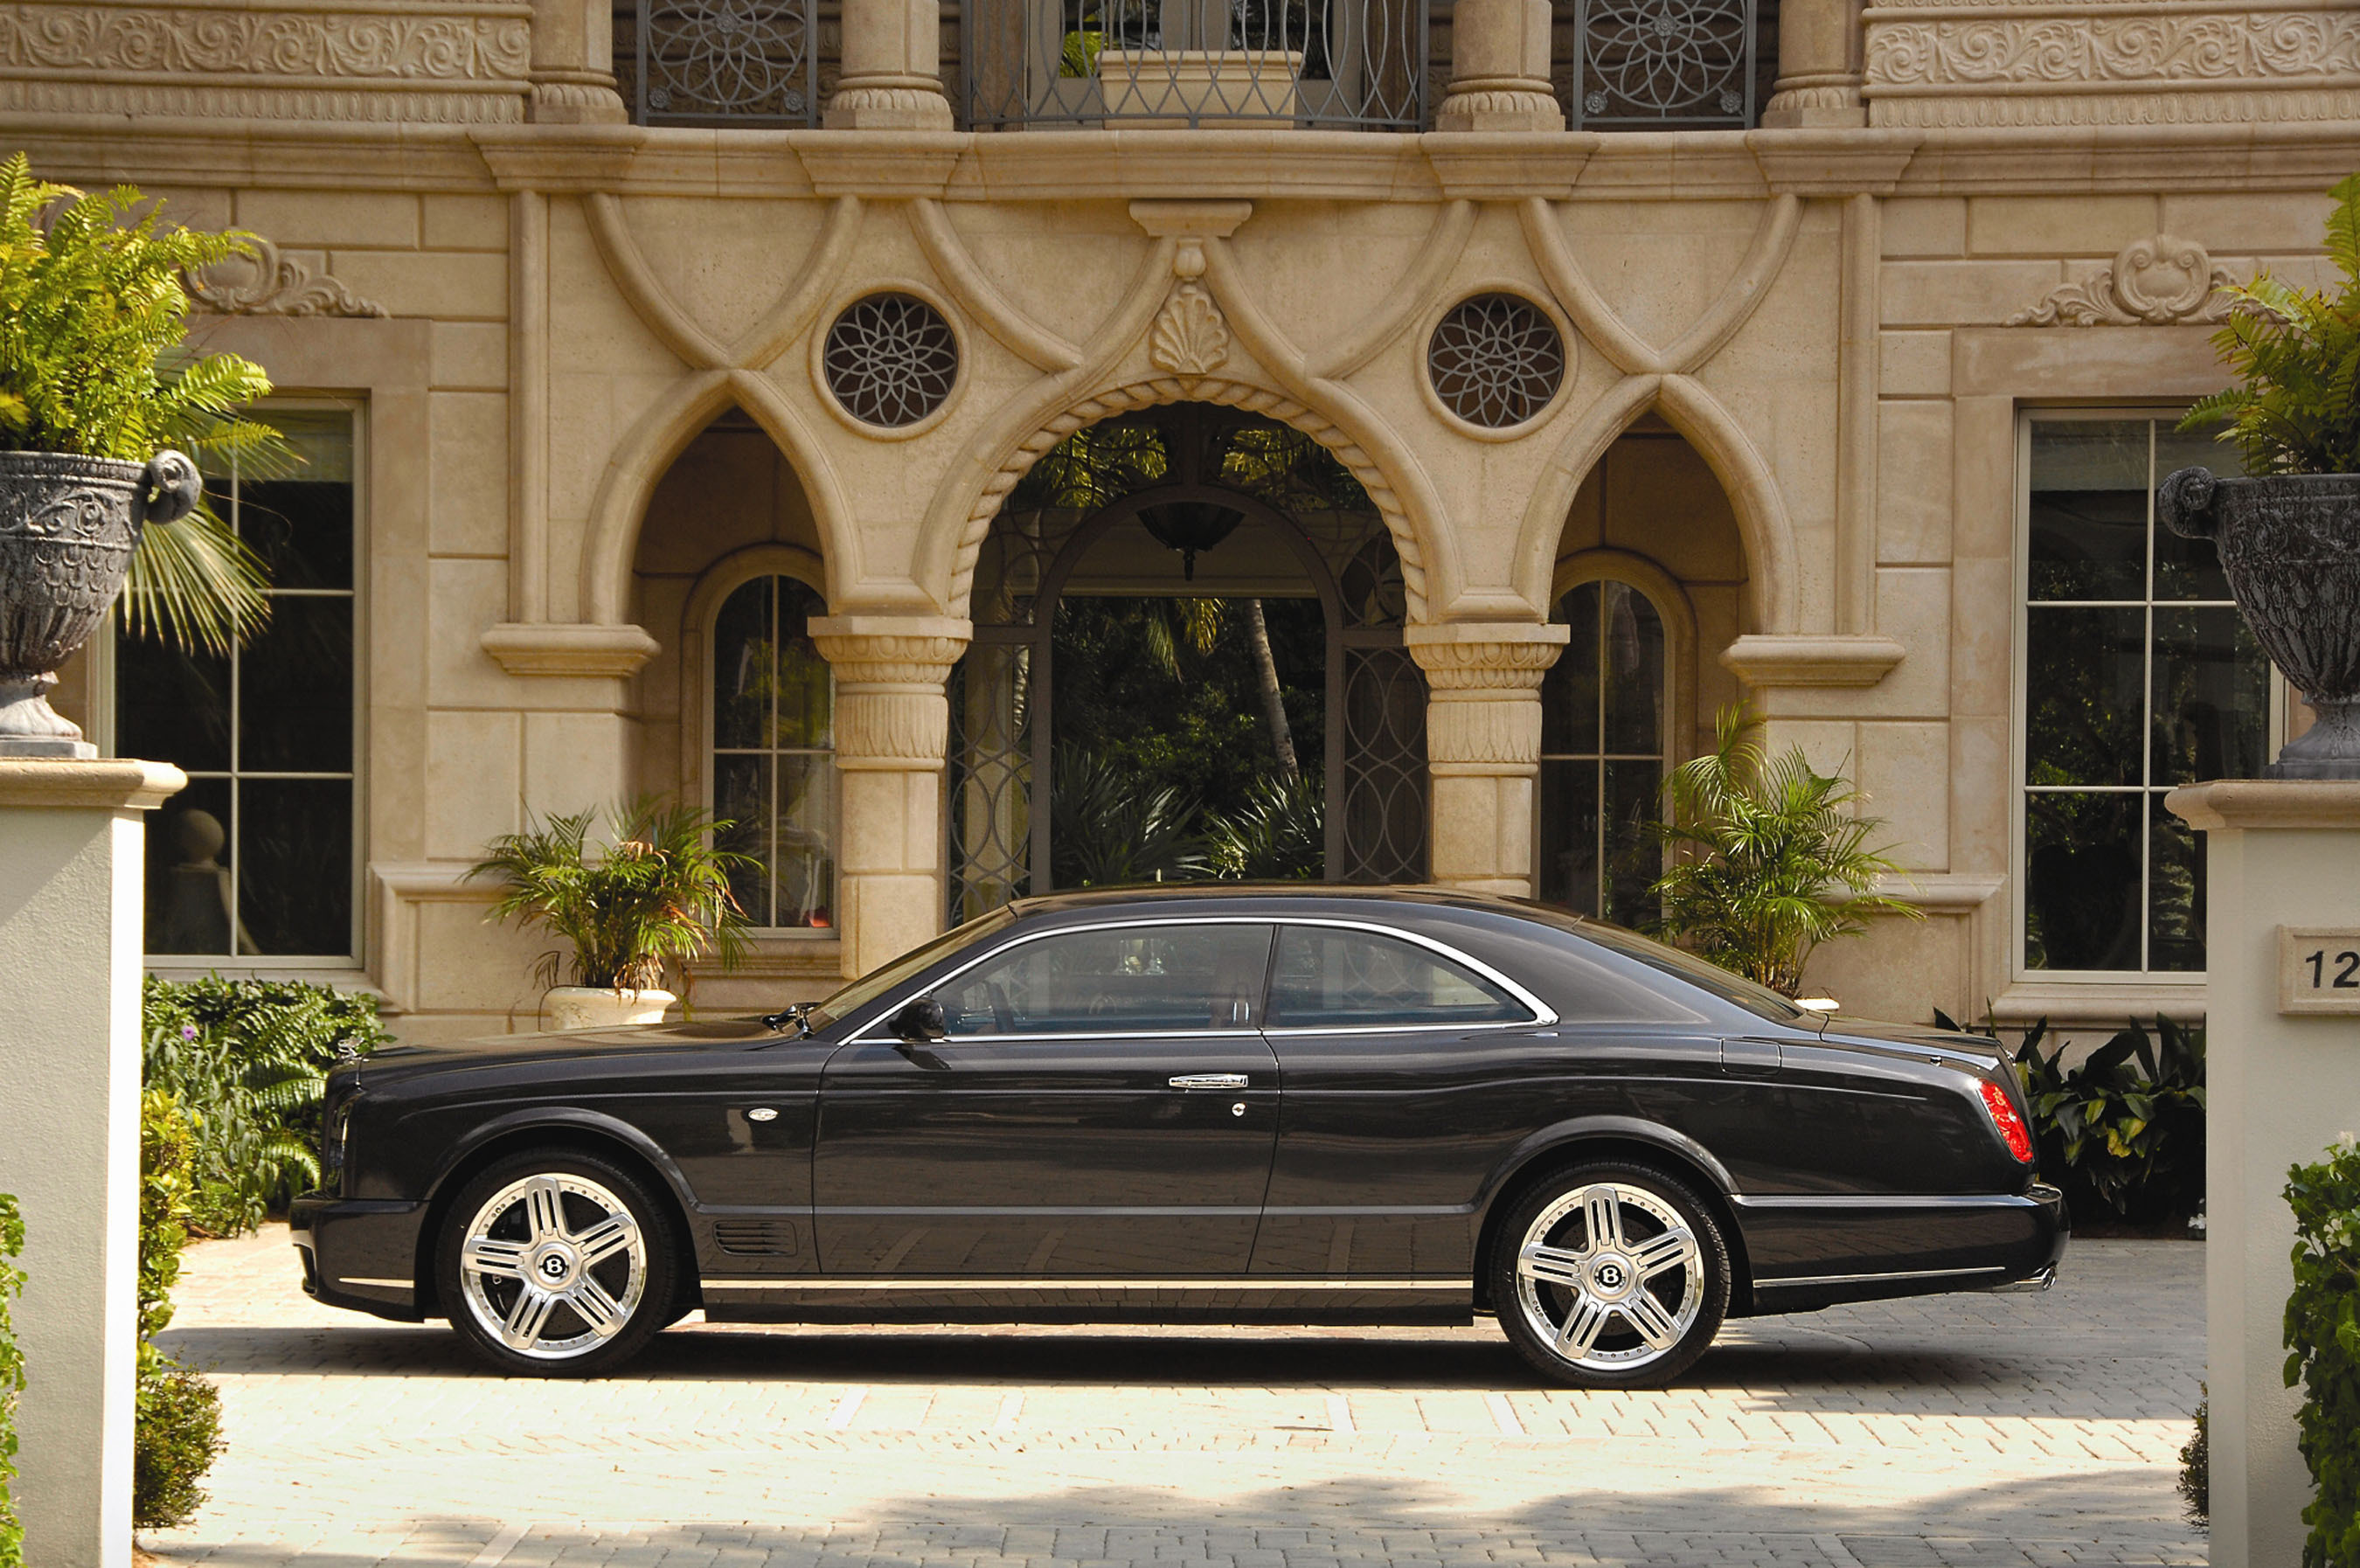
889 669
1475 659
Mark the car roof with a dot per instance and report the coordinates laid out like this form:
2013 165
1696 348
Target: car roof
1268 896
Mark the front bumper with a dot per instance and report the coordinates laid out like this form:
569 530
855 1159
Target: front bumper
363 1253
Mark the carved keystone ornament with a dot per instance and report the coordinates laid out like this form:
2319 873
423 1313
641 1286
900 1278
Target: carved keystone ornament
2158 281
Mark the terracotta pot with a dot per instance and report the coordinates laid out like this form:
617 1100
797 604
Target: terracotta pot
68 525
595 1006
2290 545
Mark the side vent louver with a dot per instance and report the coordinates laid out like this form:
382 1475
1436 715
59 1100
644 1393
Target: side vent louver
759 1238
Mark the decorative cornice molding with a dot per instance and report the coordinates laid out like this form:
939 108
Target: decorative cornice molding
2161 280
2237 804
266 283
1807 661
566 647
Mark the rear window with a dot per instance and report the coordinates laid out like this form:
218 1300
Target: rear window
1759 1000
1331 978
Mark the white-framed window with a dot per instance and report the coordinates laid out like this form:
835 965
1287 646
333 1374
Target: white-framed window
2135 673
1604 733
260 857
772 759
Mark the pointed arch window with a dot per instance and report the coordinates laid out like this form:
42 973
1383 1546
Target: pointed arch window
1604 748
773 752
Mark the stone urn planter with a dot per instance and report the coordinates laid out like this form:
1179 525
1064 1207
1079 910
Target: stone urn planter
2290 545
67 526
595 1006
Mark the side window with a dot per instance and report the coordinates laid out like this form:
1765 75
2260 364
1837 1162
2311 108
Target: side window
1122 980
1328 978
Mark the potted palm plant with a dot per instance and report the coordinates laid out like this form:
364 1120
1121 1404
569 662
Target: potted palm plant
2290 534
656 891
97 388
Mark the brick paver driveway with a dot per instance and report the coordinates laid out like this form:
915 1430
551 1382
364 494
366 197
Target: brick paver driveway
1956 1429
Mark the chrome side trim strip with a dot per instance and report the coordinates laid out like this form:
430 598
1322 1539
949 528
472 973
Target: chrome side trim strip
1869 1279
409 1285
790 1282
1891 1200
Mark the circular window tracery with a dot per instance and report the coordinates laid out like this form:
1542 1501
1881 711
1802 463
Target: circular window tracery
890 360
1495 360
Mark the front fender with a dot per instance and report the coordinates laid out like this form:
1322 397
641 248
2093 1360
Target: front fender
559 1118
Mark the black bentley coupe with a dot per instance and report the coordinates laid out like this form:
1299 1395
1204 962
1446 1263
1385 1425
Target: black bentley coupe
1195 1104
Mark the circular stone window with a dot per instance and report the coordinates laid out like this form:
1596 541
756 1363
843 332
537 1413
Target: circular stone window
1495 361
890 360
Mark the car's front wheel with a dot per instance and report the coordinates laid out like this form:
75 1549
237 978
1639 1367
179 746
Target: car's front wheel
557 1263
1610 1275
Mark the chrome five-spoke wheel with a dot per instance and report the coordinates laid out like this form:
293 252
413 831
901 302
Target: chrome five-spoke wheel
1613 1276
555 1263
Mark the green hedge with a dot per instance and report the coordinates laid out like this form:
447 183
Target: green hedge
12 1378
2322 1334
245 1061
177 1433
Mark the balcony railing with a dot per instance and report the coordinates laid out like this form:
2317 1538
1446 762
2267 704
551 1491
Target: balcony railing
1333 64
1664 65
718 62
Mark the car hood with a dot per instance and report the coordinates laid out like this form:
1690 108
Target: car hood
397 1063
1873 1034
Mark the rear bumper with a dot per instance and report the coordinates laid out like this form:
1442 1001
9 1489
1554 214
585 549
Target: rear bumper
362 1254
1816 1252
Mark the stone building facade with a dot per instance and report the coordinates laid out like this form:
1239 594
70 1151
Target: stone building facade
1622 359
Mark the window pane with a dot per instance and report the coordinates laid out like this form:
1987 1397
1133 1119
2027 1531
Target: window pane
805 868
1633 857
1570 835
295 688
295 876
1126 980
741 661
171 706
2175 892
1633 673
2212 697
301 522
2187 568
188 870
2089 509
741 797
1570 691
804 717
2084 671
2081 881
1329 979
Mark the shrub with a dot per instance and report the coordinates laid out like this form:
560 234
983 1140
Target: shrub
2323 1335
1110 826
1768 862
177 1433
245 1062
12 1378
2196 1469
1280 835
2122 1133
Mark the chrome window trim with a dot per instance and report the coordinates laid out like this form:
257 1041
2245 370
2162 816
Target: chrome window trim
1542 1014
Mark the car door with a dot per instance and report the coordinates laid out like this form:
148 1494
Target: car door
1402 1060
1104 1107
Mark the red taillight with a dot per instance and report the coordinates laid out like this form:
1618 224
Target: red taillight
2012 1130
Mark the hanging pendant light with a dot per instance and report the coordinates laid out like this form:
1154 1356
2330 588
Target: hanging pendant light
1190 527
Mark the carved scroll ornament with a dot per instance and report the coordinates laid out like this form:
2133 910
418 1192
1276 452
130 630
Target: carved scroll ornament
268 284
2158 281
2273 49
167 41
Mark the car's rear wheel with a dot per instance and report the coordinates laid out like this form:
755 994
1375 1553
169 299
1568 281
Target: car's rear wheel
1610 1275
557 1263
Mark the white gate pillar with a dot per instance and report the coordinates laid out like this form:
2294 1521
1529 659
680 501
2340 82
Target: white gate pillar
2282 1079
71 868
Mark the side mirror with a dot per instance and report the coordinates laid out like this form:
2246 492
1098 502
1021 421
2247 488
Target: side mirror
920 1022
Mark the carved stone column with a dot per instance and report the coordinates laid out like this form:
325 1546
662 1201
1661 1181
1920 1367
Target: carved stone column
1500 69
573 64
892 68
1483 747
893 730
1820 52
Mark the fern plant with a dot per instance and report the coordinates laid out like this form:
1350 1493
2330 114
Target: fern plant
94 361
12 1380
1768 862
2296 354
659 892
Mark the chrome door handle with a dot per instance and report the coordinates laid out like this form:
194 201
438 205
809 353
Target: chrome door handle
1209 1081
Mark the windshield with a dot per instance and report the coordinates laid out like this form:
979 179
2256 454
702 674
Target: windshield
1734 988
877 982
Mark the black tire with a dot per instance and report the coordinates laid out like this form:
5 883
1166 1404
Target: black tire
601 1289
1675 1290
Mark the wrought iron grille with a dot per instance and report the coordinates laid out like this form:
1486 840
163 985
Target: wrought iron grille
1664 64
1335 64
1495 360
737 62
890 360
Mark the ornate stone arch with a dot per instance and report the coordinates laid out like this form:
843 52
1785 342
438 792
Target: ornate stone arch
1254 399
